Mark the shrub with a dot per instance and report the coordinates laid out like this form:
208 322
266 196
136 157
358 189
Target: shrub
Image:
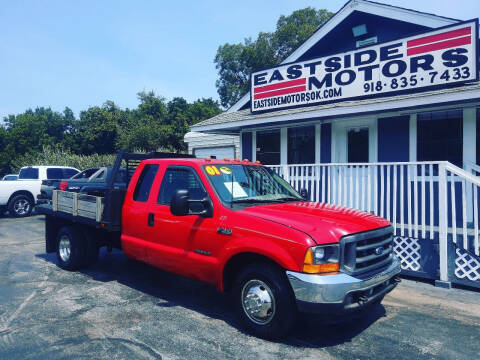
60 157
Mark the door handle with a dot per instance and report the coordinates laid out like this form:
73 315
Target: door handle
151 219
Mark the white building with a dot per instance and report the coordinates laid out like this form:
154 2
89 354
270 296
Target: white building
209 145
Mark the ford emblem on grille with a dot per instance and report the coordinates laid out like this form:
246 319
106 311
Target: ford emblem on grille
379 250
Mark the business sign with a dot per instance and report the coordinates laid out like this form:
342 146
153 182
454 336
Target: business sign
421 62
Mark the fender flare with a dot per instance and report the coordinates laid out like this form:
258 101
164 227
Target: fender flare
249 245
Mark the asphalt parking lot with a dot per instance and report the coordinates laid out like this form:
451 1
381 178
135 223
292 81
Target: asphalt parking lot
121 309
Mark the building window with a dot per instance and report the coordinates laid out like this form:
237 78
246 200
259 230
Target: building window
268 147
357 147
301 145
440 136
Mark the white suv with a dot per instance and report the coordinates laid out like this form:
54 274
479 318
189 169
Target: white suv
19 196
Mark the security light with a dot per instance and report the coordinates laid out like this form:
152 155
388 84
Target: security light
359 30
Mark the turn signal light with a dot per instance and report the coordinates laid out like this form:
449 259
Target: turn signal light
313 265
321 268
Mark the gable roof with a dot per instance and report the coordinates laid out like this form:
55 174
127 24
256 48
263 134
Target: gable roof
371 7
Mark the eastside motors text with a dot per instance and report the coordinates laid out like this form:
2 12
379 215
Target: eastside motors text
432 59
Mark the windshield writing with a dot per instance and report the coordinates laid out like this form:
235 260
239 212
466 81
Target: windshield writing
249 184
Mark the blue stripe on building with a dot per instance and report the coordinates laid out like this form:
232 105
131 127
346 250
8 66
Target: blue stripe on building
393 138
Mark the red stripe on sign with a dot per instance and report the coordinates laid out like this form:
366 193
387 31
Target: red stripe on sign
439 46
438 37
260 89
280 92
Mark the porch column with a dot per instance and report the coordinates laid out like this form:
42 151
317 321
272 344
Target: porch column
254 146
413 138
283 146
469 150
469 136
317 143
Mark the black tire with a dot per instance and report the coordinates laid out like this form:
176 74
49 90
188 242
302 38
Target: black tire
282 315
20 206
2 211
72 239
377 302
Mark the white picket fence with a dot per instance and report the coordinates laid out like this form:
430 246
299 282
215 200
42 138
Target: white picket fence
423 200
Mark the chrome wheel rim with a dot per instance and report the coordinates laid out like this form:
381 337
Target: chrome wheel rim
64 248
258 302
21 206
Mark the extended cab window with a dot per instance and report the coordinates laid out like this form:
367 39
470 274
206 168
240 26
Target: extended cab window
28 173
144 183
177 178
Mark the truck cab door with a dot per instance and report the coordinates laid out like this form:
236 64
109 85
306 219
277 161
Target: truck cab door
135 214
173 240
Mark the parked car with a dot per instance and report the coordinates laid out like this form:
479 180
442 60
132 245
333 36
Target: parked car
49 185
10 177
238 226
18 196
96 184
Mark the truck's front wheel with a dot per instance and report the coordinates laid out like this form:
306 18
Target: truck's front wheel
264 301
70 248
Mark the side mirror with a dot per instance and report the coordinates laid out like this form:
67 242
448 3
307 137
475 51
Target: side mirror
304 193
179 205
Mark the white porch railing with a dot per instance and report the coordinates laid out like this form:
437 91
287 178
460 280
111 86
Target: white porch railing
423 200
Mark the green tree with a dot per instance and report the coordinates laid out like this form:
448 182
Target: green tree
235 62
45 136
160 125
146 128
202 109
33 129
5 157
97 129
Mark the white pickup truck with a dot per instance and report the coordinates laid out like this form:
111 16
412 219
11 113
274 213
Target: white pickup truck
18 196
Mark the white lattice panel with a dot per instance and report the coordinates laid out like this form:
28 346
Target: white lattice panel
467 266
408 251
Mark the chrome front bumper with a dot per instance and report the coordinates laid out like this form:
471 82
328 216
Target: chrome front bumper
341 292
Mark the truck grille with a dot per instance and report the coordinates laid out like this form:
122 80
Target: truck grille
367 253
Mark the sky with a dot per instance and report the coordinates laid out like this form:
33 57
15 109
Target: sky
82 53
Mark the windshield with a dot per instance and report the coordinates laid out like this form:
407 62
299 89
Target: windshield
10 177
249 184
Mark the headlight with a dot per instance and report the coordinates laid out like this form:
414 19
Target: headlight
322 259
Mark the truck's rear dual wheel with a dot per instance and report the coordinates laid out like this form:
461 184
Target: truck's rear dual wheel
264 301
74 250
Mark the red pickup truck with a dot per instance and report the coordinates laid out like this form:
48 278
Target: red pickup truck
238 226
